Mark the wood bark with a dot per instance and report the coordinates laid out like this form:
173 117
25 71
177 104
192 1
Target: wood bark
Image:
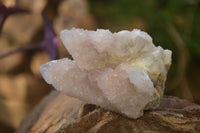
58 113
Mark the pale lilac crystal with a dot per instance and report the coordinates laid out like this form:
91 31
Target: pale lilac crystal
123 72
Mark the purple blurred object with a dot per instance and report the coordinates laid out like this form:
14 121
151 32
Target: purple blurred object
50 42
7 11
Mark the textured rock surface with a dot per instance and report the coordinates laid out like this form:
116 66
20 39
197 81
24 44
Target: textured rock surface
62 114
123 72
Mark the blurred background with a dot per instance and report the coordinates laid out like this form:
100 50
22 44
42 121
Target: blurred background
173 24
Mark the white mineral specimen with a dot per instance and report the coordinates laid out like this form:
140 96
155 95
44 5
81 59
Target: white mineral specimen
123 72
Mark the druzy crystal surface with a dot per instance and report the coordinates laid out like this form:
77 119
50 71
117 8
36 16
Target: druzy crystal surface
123 72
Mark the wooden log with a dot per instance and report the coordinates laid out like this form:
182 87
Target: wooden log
58 113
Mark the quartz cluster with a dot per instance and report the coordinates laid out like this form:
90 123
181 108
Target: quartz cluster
123 72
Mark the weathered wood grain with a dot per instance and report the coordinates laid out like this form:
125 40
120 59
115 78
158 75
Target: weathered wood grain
63 114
